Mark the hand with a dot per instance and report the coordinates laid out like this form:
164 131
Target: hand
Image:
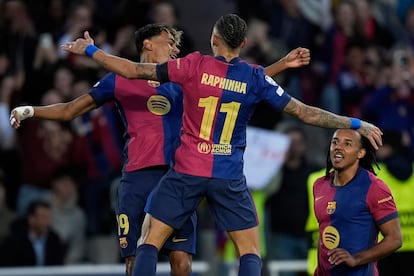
339 255
373 133
79 45
19 114
297 57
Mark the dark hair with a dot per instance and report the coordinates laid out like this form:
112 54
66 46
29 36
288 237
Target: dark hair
365 162
232 29
155 29
33 206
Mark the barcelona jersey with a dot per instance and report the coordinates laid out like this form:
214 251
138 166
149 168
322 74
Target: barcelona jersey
349 217
151 113
219 99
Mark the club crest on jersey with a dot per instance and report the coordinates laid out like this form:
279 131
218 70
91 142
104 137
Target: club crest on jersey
330 237
158 105
153 83
123 243
331 207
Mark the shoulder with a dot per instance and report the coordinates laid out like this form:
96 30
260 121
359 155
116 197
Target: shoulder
378 183
321 180
193 56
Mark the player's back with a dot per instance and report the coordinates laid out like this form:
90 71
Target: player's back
219 99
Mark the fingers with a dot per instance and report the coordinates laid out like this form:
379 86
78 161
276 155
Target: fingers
14 120
88 38
372 133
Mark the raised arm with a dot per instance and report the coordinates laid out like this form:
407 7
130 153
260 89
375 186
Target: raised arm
59 112
296 58
318 117
124 67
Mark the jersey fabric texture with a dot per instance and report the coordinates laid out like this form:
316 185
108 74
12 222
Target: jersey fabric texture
151 114
219 99
349 217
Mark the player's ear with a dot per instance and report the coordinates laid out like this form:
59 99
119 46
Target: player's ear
147 45
215 39
361 153
244 43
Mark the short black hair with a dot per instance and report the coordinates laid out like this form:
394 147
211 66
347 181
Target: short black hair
232 29
154 29
34 205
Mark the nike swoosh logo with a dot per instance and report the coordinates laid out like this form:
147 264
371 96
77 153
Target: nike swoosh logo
319 197
175 239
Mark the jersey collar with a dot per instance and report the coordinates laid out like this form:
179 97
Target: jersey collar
233 61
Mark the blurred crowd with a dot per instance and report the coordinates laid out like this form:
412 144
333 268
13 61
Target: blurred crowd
362 65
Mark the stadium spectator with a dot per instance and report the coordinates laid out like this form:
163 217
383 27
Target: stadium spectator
32 242
287 239
68 219
7 216
396 169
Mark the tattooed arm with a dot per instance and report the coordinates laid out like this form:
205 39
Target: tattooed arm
124 67
319 117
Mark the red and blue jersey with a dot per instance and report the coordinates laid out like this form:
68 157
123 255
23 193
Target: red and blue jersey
219 99
151 114
349 217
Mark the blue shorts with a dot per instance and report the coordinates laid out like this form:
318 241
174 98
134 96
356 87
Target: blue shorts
177 196
133 191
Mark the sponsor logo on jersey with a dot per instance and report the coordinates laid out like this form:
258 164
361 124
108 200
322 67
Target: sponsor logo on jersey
223 83
158 105
204 147
330 237
388 198
330 209
270 80
123 243
319 197
216 149
153 83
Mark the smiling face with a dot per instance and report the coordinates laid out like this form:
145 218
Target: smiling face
160 48
346 149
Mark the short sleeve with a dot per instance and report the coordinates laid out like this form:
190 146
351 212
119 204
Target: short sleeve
104 90
381 202
181 70
271 92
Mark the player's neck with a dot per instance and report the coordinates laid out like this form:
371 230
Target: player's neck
228 54
343 177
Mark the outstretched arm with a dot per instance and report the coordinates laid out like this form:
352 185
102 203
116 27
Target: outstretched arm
296 58
59 112
124 67
319 117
